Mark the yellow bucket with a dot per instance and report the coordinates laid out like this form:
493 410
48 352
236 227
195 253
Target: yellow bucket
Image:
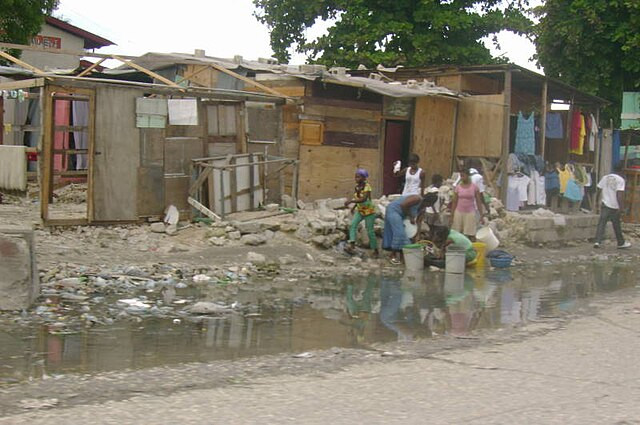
480 248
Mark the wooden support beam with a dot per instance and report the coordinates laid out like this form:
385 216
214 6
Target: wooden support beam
543 119
506 131
192 74
246 80
198 182
146 71
22 84
204 210
91 68
22 63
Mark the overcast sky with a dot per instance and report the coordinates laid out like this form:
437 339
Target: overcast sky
223 28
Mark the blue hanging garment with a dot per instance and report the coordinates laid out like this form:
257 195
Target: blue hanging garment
525 135
573 191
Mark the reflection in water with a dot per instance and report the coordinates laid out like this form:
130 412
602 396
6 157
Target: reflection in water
352 312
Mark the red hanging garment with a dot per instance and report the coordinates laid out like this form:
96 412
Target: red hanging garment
574 142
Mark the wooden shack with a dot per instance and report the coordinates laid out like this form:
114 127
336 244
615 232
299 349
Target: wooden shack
339 123
141 140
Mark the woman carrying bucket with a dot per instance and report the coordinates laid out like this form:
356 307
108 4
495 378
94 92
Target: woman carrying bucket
394 237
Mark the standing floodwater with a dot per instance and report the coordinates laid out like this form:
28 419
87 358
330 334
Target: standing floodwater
342 312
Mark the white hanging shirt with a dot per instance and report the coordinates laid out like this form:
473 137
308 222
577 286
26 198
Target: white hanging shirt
412 183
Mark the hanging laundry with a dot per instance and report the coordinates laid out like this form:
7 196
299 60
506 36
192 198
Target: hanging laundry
574 141
517 191
593 133
554 127
80 112
536 189
564 175
525 135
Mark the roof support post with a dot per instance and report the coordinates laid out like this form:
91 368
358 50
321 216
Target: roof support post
506 131
543 119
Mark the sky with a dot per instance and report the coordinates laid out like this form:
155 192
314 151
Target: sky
223 28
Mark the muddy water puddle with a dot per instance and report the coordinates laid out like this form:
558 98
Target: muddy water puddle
346 312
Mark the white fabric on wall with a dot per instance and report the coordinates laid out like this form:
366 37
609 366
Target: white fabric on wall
80 112
13 167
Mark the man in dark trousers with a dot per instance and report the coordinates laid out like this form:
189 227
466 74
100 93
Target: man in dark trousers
612 194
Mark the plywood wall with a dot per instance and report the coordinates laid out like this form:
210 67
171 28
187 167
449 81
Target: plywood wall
327 171
117 155
479 126
433 134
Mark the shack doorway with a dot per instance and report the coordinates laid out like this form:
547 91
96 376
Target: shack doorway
67 162
397 142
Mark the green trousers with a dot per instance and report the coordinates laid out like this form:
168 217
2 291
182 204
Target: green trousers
369 220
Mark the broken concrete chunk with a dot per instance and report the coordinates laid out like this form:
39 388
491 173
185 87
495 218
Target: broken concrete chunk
248 227
217 232
335 204
301 204
287 201
287 259
272 207
158 227
19 278
234 236
217 241
253 239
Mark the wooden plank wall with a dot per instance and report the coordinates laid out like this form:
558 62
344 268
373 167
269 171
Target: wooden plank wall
433 134
117 155
479 126
327 171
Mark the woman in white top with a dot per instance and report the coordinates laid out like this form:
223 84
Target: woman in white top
414 176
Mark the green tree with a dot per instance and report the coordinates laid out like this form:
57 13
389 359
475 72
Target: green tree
591 44
391 32
22 19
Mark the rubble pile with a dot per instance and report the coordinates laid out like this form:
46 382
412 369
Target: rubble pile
73 193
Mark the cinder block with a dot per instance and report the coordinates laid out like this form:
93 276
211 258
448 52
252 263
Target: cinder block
19 279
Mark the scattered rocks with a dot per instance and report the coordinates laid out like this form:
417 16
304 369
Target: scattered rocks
255 258
253 239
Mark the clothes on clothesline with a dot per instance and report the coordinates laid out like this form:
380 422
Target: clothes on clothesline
578 132
517 191
525 135
554 126
593 133
536 189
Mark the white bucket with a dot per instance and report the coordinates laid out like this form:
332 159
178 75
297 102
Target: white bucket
486 236
455 260
413 258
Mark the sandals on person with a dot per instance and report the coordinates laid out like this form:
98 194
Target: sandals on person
395 261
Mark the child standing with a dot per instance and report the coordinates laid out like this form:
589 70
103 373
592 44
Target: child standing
365 210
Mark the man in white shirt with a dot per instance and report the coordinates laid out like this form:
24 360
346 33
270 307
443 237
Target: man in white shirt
612 192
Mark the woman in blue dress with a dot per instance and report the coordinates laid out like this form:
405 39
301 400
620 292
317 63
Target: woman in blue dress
394 236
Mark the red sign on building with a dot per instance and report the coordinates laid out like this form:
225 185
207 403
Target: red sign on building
46 42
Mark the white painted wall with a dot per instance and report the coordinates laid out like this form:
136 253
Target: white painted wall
47 61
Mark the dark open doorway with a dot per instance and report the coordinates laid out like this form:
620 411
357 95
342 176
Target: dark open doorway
396 147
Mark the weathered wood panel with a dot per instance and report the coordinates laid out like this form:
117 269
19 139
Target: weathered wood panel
433 134
342 112
178 153
117 156
327 171
150 191
348 139
176 192
352 126
479 127
151 147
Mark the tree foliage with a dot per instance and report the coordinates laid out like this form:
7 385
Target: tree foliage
22 19
391 32
591 44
